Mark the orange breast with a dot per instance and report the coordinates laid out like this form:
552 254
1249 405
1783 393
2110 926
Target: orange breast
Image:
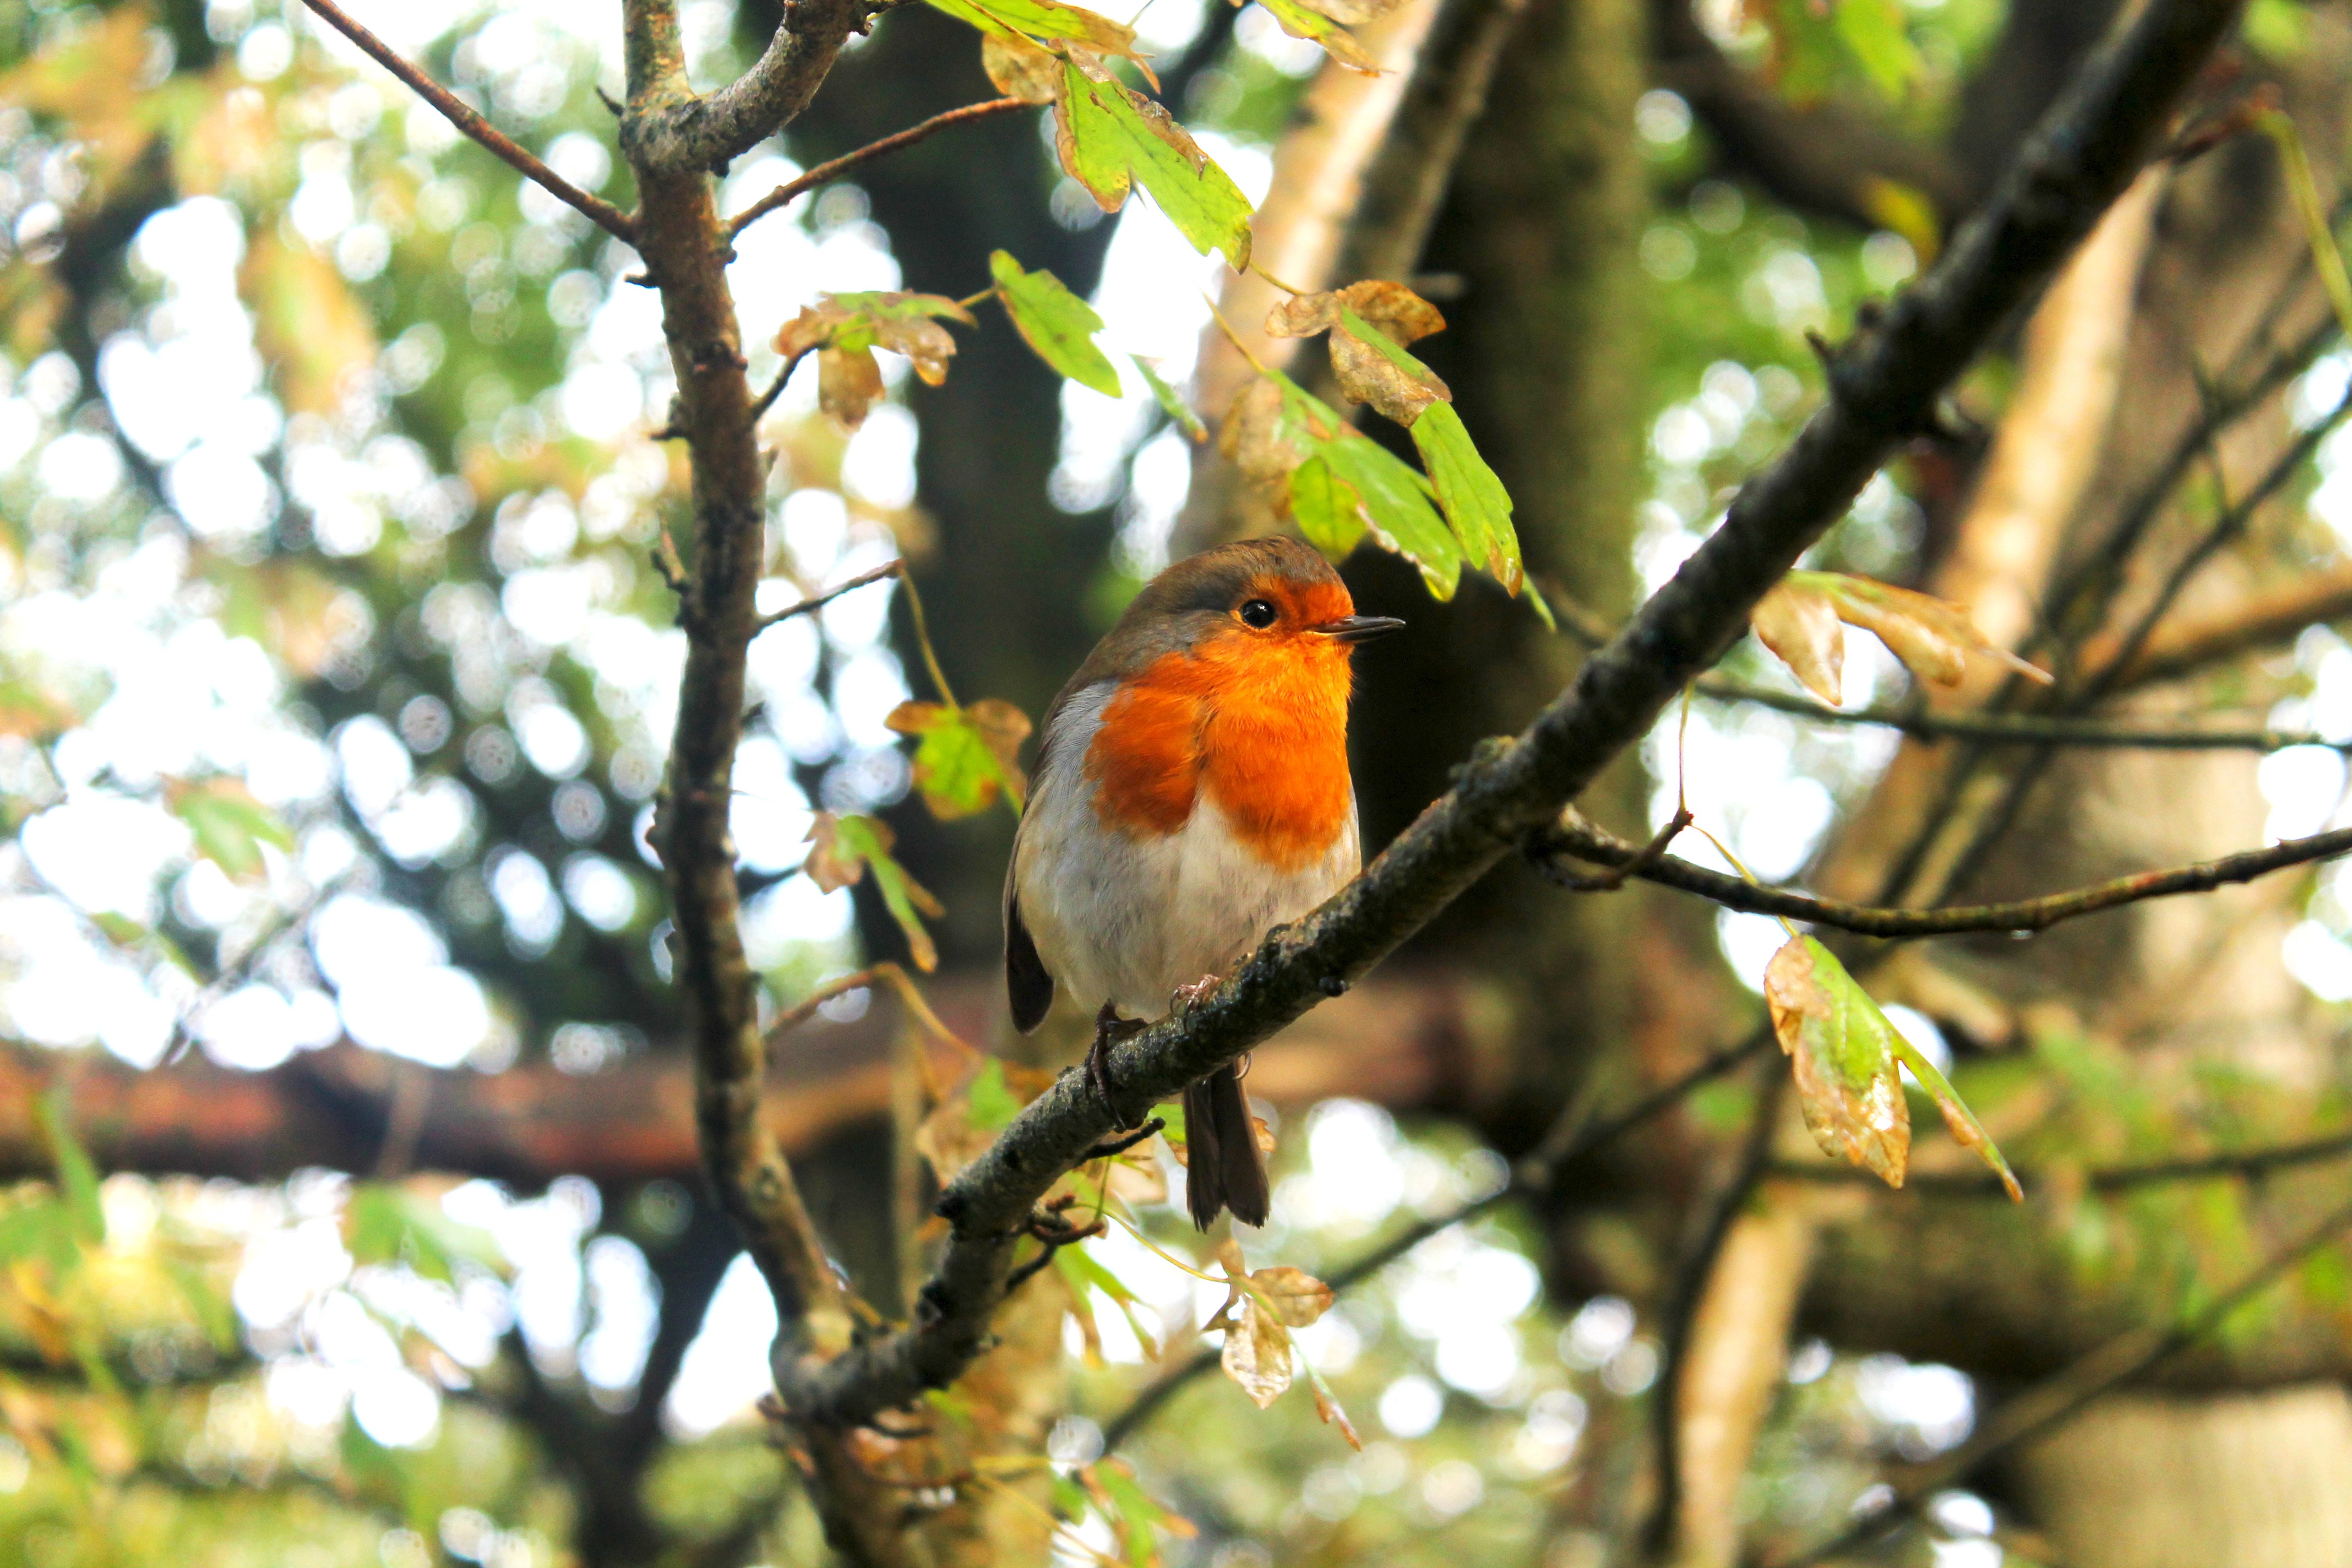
1259 724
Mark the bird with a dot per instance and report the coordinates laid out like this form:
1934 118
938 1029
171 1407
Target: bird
1190 793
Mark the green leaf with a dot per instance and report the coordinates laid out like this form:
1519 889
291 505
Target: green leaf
229 825
1139 1513
1395 502
2318 231
1056 323
1872 33
1110 139
1083 1271
1845 1050
1337 42
844 847
1327 511
1475 500
1043 19
989 1104
77 1171
1842 1049
385 1224
965 757
1174 407
1965 1129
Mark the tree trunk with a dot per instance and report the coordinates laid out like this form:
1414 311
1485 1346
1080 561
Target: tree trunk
2246 1481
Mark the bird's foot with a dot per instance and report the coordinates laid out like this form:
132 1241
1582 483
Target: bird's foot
1185 998
1109 1029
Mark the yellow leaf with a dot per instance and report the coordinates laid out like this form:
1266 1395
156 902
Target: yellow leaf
1799 624
1257 1354
848 382
1292 1295
1019 68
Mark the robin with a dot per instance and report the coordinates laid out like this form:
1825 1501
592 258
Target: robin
1191 792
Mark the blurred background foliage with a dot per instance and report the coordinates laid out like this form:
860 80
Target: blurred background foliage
334 688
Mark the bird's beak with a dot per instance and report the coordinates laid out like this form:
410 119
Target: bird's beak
1358 629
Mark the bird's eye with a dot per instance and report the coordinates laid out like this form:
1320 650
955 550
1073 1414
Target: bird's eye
1258 612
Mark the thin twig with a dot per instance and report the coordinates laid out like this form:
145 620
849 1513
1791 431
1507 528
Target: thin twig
834 168
819 601
2022 729
1579 839
767 400
2229 1164
595 209
2049 1403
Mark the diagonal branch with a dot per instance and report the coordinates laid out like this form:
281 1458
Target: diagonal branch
595 209
834 168
1576 836
1883 388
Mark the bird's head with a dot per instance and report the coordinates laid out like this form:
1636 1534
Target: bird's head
1266 603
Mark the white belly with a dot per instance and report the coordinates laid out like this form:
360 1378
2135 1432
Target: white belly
1126 921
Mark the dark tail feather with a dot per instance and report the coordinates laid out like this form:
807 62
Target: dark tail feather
1224 1169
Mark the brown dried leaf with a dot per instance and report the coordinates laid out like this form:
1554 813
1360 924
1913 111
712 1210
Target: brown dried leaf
1842 1049
1405 316
1379 372
1019 68
1257 1355
1258 436
1932 636
1292 1295
925 343
831 864
1799 623
848 384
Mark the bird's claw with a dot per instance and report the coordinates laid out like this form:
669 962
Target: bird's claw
1185 998
1109 1029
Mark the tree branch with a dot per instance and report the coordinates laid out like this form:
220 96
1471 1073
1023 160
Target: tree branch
702 135
595 209
2051 730
1830 158
2053 1401
819 601
1575 837
2190 643
1883 387
833 169
2228 1164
